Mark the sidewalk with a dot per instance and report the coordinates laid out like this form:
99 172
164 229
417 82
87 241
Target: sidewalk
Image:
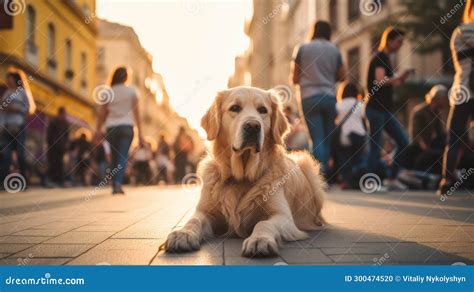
88 227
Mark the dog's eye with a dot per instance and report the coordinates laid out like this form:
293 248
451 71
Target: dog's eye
262 110
235 108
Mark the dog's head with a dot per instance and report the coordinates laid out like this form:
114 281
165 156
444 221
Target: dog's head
245 118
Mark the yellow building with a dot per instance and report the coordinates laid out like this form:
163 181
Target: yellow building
54 42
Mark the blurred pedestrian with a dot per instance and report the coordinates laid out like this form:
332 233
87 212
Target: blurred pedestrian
381 81
183 146
163 160
317 67
142 156
119 115
296 139
427 133
462 102
57 139
353 135
16 105
81 148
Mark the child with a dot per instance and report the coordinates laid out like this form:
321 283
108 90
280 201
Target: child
353 134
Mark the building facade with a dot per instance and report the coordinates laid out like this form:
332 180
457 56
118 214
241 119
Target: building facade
54 43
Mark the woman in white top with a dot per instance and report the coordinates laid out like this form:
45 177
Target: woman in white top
119 114
462 101
353 138
15 105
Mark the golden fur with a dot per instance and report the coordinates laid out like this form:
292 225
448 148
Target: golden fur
264 196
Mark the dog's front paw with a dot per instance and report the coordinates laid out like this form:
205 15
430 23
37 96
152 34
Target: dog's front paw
259 247
182 241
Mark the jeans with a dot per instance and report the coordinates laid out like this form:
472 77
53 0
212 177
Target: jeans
10 141
120 139
379 121
459 116
320 114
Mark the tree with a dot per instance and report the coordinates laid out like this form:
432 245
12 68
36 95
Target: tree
431 24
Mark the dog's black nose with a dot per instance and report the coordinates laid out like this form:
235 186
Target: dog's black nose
252 127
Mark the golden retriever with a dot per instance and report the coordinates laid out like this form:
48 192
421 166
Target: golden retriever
252 187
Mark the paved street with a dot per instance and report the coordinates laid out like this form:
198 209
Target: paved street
84 226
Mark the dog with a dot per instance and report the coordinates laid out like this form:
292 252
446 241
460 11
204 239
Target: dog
251 187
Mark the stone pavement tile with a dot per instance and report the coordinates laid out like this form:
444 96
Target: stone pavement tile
4 255
12 248
203 260
81 237
54 250
304 256
23 239
233 247
419 253
120 252
40 232
34 261
243 261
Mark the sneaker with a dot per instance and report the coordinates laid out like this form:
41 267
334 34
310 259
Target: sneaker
395 185
117 190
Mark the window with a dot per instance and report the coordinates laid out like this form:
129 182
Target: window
51 41
30 29
353 9
68 73
83 71
353 61
333 14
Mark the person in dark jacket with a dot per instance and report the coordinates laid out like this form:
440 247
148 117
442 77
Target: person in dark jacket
57 138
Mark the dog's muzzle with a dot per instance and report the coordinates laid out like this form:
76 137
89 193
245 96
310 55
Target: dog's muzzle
251 135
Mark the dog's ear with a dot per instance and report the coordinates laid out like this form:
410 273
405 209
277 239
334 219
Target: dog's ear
211 121
279 121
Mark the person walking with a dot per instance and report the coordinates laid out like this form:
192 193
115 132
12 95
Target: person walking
462 102
381 81
120 115
57 138
317 68
17 103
